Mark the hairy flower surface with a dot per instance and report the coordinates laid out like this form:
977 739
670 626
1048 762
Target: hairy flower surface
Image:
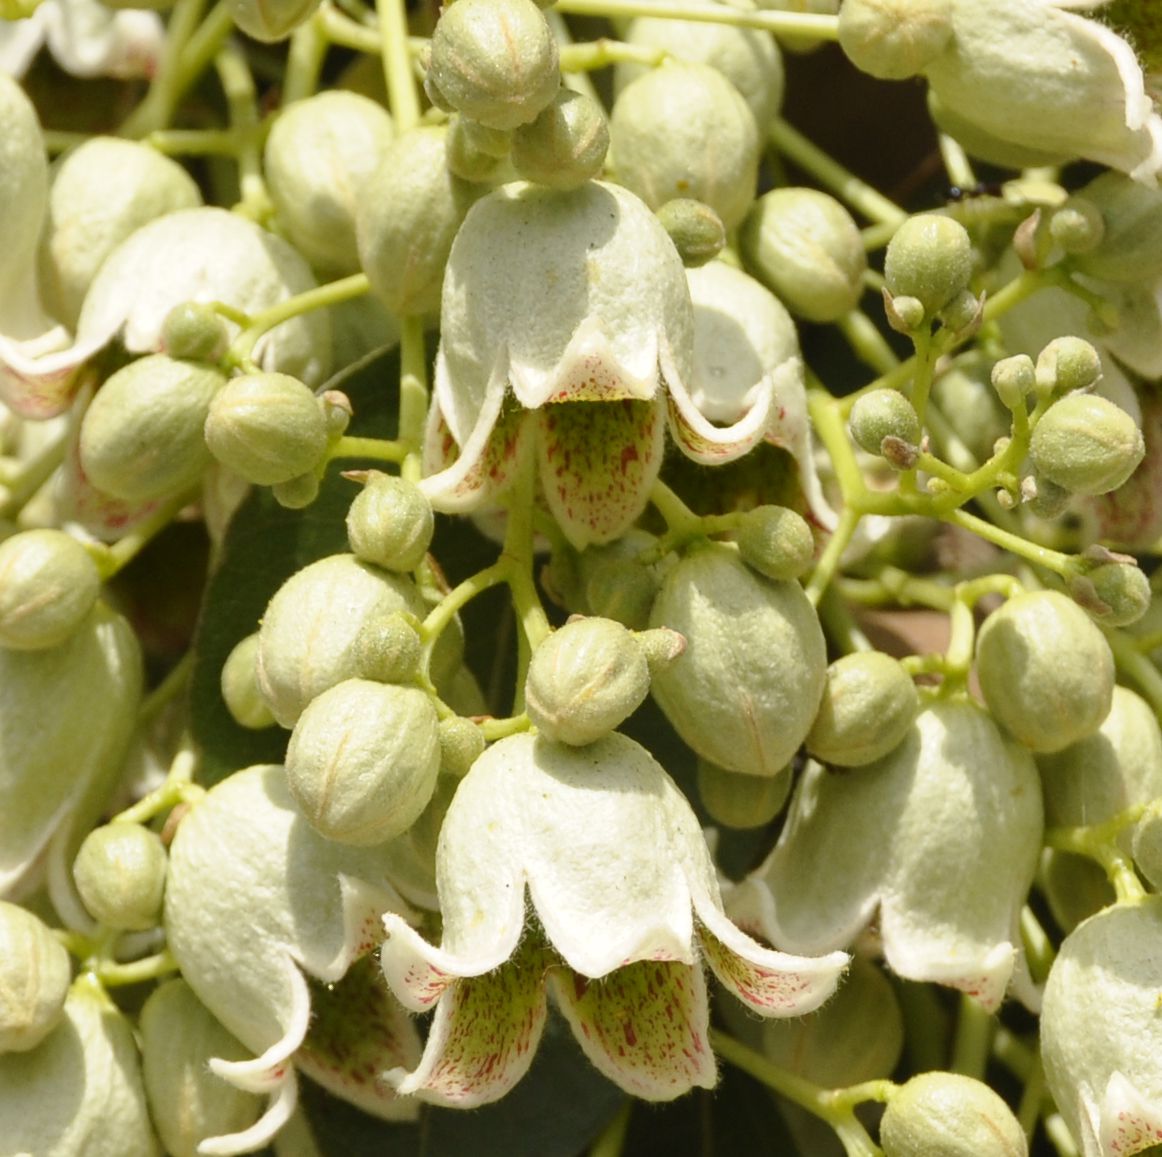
626 905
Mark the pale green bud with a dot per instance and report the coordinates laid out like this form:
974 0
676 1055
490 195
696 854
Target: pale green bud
240 689
489 142
193 332
270 20
461 744
48 585
566 145
388 650
776 541
1147 844
660 132
952 1115
1067 364
363 760
1087 444
494 61
868 705
34 979
622 589
735 800
1013 379
390 523
120 874
930 257
1130 249
268 428
1046 499
298 492
884 414
141 437
695 229
1115 593
905 314
1045 670
1077 226
464 159
319 160
894 39
804 245
189 1103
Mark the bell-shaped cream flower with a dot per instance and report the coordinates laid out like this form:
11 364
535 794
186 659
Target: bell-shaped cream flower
1101 1036
256 901
566 332
939 837
625 906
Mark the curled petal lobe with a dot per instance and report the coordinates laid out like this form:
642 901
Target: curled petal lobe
1130 1122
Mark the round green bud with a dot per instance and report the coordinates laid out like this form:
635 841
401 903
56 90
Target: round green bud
695 229
194 332
740 801
894 39
268 428
120 874
494 61
141 437
296 493
188 1102
1046 671
1114 594
883 414
804 245
566 145
1130 249
905 314
271 20
1014 379
48 585
390 523
464 159
461 744
950 1115
1147 845
495 143
1067 364
34 979
868 705
1077 226
239 684
363 760
929 257
659 130
319 159
584 680
776 541
1046 499
622 589
388 650
1087 444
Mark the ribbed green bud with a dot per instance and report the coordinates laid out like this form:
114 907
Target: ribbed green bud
622 589
884 415
120 874
1067 364
240 690
1087 444
193 332
1045 670
363 760
951 1115
389 649
188 1102
461 744
776 541
1114 594
268 428
868 705
494 61
566 145
659 134
390 523
141 437
1130 250
804 245
930 258
695 229
34 979
894 39
48 585
1014 379
740 801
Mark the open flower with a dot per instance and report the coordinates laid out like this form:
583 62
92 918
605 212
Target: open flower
567 333
626 904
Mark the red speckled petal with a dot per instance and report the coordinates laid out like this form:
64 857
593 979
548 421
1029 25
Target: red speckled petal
644 1026
1130 1122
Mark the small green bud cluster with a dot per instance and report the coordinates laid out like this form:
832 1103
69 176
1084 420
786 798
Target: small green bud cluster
927 271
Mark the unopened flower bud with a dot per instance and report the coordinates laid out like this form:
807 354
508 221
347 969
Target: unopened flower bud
1077 226
390 523
950 1114
298 492
622 589
566 145
740 801
1087 444
1114 593
776 541
240 690
464 159
658 132
804 245
120 874
584 680
1045 499
495 143
1131 245
34 979
141 437
930 257
363 760
868 705
194 332
1046 671
695 229
905 314
962 316
1067 364
48 585
268 428
1013 379
494 61
881 414
388 650
271 20
894 39
461 744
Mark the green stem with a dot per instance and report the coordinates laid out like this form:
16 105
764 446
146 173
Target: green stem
803 25
379 449
114 975
31 476
1099 842
177 787
347 33
678 516
1054 560
1060 1137
973 1040
832 555
605 52
166 691
402 98
493 729
1039 950
115 557
611 1141
304 62
867 343
518 552
1032 1098
413 393
242 101
197 142
956 163
442 614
